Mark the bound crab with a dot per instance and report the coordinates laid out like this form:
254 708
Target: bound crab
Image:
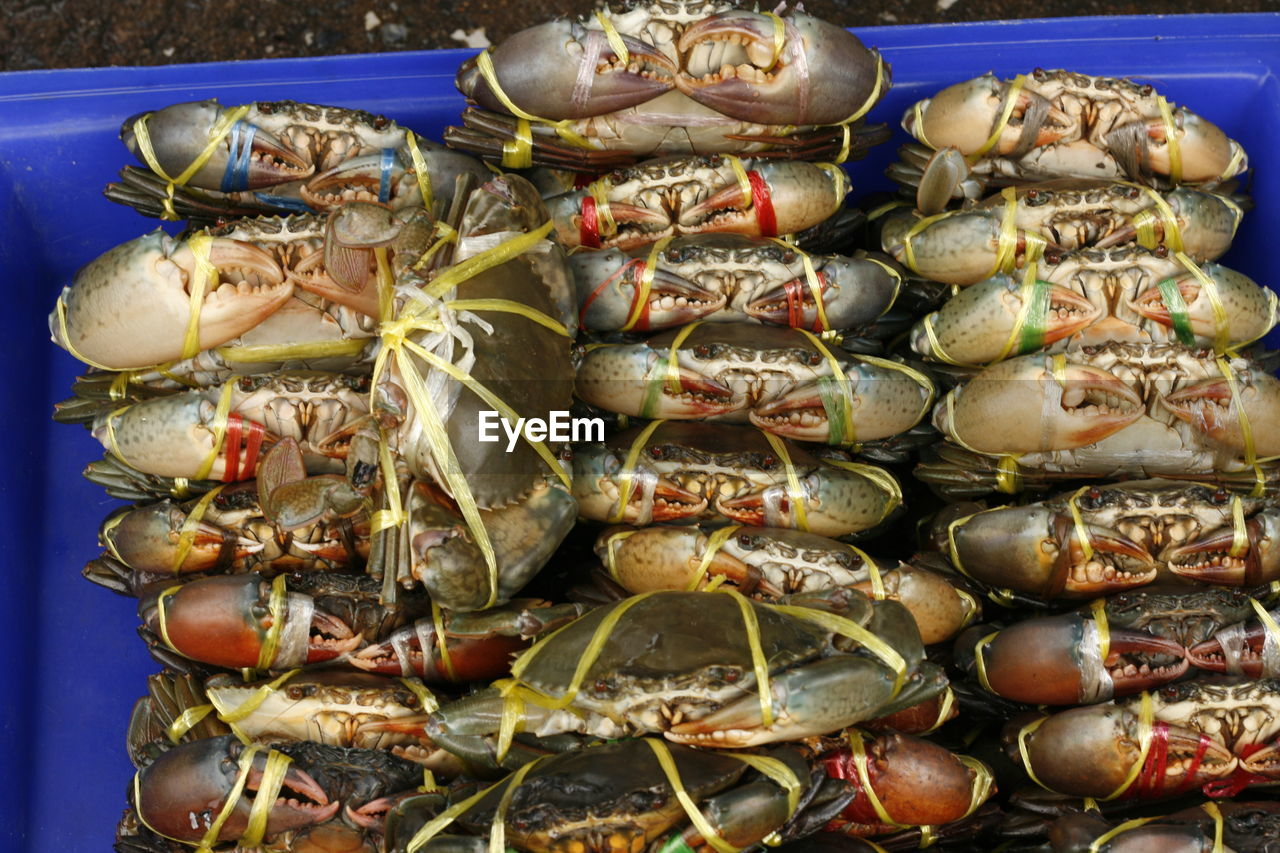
206 161
723 278
1245 827
1004 231
658 78
680 196
1056 124
689 471
1218 736
634 667
1107 539
785 381
1126 295
769 563
1115 410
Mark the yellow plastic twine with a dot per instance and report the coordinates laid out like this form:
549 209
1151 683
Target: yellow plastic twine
217 133
1010 101
413 317
1160 213
268 789
795 493
187 533
1171 140
1246 431
714 543
219 427
1146 730
665 373
626 477
815 286
231 715
1008 475
420 170
640 302
853 631
437 621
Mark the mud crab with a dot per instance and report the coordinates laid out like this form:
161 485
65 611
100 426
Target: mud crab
648 674
687 471
1249 647
681 196
1002 232
1218 735
730 278
1128 535
238 621
208 161
1096 296
785 381
769 563
658 78
1245 827
246 297
300 796
1056 124
1114 410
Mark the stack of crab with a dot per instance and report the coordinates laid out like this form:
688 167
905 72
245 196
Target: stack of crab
1092 337
291 397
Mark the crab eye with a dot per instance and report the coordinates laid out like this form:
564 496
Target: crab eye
1221 496
768 462
656 452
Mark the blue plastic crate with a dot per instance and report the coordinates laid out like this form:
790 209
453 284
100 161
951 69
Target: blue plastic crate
74 666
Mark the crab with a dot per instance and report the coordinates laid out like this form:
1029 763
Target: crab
1091 297
690 471
1113 410
1129 535
781 380
656 670
1056 124
658 78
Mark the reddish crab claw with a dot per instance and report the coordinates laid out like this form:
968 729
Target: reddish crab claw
248 157
1057 660
185 789
672 300
226 621
1092 752
733 65
1220 557
148 538
1214 407
1248 648
536 67
415 650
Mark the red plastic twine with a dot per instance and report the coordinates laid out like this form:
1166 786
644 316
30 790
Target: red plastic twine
1150 781
1237 781
840 766
636 268
589 230
231 448
797 292
763 203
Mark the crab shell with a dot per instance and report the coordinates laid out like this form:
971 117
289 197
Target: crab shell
780 380
1115 125
681 196
691 471
722 278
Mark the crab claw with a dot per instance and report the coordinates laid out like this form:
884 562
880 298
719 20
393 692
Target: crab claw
1206 225
1247 312
226 621
247 158
1211 407
1057 660
1042 407
147 539
837 502
131 307
976 325
632 379
609 283
883 402
853 290
1204 150
733 64
186 787
916 782
1092 752
1037 550
785 196
959 248
1247 649
1218 558
415 651
962 117
536 67
597 485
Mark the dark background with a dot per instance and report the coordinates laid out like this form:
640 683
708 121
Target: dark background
76 33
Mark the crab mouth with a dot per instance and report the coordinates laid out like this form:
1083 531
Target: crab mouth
1156 532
